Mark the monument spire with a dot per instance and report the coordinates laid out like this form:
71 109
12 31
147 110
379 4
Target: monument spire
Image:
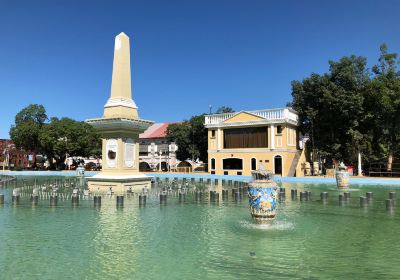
119 129
120 103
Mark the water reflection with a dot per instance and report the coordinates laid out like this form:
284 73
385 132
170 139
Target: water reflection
201 240
115 241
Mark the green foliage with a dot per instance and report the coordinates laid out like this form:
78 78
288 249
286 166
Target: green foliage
348 110
224 109
199 138
384 100
180 134
191 138
33 113
57 139
66 137
28 123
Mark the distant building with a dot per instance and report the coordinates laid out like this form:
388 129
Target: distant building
239 142
157 153
90 163
11 157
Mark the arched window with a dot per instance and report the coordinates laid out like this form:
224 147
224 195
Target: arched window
213 163
232 163
253 164
144 166
184 164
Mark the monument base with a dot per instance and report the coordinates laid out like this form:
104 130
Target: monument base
103 184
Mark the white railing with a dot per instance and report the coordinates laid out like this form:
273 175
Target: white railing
292 115
213 119
271 114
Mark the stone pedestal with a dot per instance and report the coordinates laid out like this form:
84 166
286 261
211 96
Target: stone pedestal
118 184
120 153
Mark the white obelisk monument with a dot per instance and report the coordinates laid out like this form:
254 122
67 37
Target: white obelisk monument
119 128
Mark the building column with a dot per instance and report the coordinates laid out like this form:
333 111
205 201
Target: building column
272 136
219 139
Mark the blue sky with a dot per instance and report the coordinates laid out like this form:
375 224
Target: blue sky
185 54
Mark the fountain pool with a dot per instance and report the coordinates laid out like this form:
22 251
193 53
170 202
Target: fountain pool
201 239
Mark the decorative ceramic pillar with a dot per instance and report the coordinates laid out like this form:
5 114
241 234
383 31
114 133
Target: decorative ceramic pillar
342 179
263 195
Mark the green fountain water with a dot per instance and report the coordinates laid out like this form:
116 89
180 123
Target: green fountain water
191 240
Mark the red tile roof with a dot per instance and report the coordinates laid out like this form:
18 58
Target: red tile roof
157 130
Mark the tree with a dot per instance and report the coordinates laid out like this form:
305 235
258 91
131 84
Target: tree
65 137
384 99
28 124
199 138
348 110
180 134
191 138
331 110
224 109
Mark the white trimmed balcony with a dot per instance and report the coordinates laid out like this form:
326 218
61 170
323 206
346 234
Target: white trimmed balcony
280 115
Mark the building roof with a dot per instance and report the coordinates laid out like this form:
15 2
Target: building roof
157 130
251 118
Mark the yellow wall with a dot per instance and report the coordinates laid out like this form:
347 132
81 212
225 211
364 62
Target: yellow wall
212 139
243 117
266 155
300 168
119 111
120 167
267 159
284 137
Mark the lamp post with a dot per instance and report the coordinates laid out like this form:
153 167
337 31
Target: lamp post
153 156
4 161
65 140
160 153
168 162
6 154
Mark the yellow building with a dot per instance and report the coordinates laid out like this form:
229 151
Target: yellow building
238 142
